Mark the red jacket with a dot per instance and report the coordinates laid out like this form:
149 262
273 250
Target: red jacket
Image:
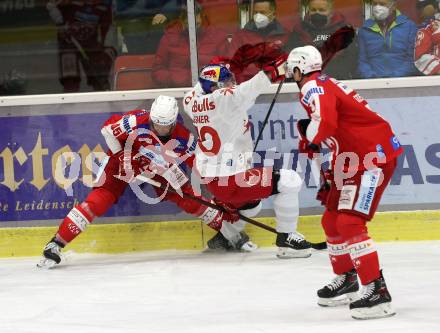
343 120
172 67
252 48
427 50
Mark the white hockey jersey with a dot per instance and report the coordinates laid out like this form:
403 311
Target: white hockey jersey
225 142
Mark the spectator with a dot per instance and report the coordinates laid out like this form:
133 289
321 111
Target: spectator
260 41
82 30
427 49
319 22
386 42
172 67
426 9
169 11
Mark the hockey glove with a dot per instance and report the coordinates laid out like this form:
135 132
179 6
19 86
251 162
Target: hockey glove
304 146
324 190
214 218
276 69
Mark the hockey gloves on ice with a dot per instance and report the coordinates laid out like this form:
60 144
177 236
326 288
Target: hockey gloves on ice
276 69
304 146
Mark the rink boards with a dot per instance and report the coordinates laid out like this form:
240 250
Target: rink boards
34 197
192 235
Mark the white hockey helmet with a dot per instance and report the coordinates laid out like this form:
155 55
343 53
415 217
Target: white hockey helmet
164 111
307 58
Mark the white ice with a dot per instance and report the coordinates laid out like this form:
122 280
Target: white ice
205 292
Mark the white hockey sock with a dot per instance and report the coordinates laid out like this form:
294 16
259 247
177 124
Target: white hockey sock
285 203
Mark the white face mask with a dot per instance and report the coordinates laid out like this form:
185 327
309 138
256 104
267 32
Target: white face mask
380 13
261 20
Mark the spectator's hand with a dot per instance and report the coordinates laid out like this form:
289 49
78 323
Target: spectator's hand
158 19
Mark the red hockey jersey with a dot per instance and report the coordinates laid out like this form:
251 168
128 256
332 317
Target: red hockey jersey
119 130
427 50
343 121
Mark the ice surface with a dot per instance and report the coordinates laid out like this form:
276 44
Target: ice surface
206 292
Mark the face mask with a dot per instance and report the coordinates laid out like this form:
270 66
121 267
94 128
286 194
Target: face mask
318 20
380 13
261 20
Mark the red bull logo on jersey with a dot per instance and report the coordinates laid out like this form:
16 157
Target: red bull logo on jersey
205 105
211 74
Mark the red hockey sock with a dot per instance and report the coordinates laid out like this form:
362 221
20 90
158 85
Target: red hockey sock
360 246
337 248
73 224
96 204
339 256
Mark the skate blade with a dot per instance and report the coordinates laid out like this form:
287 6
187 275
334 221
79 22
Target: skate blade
383 310
248 247
337 301
46 263
288 253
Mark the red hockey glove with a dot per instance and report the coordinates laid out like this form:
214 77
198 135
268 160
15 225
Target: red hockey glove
214 218
276 69
324 190
304 146
230 213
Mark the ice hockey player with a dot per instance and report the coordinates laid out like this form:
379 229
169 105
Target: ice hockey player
218 108
364 151
139 133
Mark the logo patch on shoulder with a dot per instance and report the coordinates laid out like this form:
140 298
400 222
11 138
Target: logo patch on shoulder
314 90
395 143
322 77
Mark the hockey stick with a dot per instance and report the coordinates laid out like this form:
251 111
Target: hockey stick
317 246
280 85
338 41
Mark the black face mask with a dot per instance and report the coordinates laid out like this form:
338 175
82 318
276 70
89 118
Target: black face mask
318 20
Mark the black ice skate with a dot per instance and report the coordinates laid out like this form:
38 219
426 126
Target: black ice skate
52 254
375 301
293 245
241 243
342 290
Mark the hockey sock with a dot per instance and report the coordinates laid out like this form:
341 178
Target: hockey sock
73 224
285 202
96 204
337 248
360 246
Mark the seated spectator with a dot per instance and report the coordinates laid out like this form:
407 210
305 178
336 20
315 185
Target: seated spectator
426 9
427 49
386 43
169 11
172 66
319 22
260 41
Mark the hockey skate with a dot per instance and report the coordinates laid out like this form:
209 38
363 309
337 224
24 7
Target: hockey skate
375 301
292 245
342 290
52 254
240 242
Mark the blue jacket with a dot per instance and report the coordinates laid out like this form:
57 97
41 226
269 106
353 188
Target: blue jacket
391 55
